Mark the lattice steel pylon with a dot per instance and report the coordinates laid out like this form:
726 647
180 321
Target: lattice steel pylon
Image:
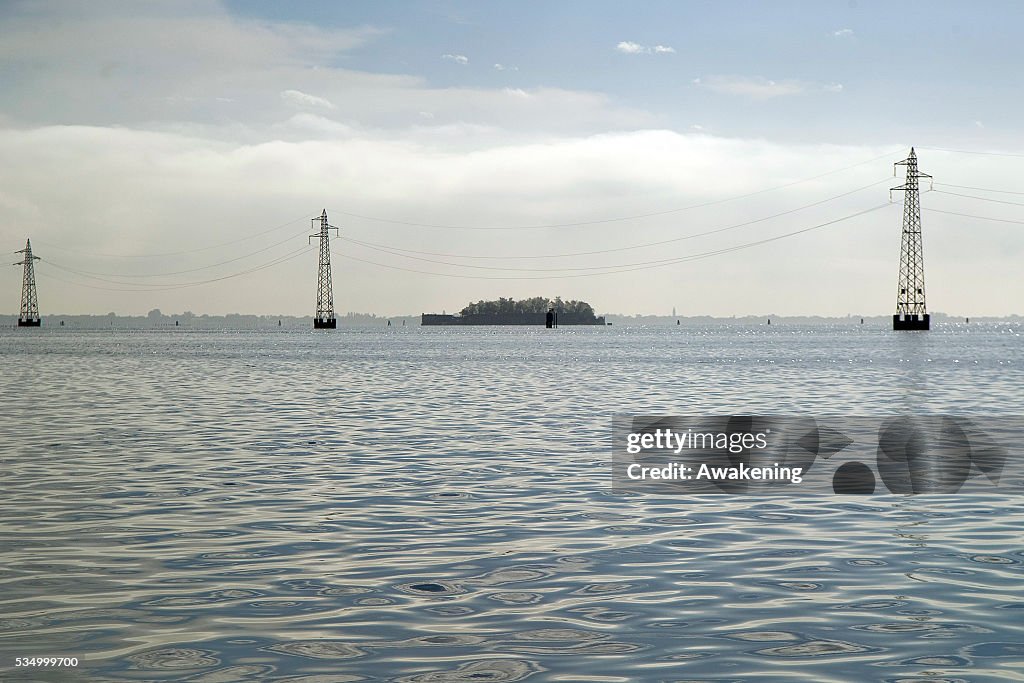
911 312
324 319
29 315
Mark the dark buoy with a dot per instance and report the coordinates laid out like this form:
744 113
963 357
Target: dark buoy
551 319
769 321
175 323
677 322
62 323
862 321
279 323
389 323
403 323
966 320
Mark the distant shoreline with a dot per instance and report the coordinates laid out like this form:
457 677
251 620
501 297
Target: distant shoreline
242 321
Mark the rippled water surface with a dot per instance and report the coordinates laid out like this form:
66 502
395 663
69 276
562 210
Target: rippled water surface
434 504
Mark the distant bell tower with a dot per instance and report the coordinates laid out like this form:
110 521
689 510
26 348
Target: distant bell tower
911 313
29 316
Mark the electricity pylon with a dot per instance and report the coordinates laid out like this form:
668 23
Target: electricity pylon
911 313
325 319
29 316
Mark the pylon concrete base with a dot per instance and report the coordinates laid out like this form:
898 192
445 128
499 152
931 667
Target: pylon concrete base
911 322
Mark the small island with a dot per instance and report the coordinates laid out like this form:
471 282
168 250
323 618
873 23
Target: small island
522 312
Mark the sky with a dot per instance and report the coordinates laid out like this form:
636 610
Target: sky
719 158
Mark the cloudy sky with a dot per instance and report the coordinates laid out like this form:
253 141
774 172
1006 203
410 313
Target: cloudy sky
722 158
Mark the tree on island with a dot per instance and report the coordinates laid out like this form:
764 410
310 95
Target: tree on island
535 305
579 311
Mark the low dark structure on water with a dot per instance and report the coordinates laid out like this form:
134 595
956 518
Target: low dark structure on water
911 322
536 311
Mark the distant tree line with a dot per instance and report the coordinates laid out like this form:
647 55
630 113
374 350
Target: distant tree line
536 305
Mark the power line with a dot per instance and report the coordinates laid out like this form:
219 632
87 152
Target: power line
692 257
982 189
968 215
193 270
968 151
983 199
154 287
180 253
51 276
135 286
373 245
610 220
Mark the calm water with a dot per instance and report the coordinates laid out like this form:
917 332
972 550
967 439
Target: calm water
432 504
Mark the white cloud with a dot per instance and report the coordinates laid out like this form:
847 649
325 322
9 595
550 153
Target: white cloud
755 88
762 88
301 99
979 124
503 67
458 59
305 125
628 47
843 33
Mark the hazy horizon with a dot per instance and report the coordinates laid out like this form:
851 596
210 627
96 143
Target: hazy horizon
342 315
